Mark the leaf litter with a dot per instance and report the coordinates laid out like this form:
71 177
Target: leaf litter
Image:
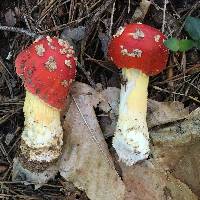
177 88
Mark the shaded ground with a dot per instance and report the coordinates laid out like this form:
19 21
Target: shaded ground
180 81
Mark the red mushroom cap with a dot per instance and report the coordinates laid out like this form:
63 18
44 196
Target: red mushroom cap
139 46
48 67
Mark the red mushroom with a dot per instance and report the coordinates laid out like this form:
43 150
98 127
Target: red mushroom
139 50
47 67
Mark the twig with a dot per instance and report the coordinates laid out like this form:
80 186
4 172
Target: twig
176 93
141 10
111 19
129 5
164 15
19 30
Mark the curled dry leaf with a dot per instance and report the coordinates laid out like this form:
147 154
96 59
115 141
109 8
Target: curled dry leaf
165 112
173 142
10 18
109 104
86 161
104 38
3 168
148 181
187 170
76 34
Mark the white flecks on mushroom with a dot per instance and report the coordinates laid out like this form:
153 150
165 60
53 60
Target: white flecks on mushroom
70 81
65 83
50 42
119 32
51 46
135 53
157 38
111 58
68 63
39 49
51 64
137 34
68 55
63 43
63 51
67 51
71 51
49 39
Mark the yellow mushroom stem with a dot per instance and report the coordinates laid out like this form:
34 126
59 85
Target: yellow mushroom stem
131 140
43 134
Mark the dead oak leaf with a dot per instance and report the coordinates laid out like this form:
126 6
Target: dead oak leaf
86 161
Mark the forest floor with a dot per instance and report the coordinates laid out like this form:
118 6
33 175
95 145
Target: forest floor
100 19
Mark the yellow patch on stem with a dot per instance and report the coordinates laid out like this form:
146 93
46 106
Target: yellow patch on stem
42 112
137 97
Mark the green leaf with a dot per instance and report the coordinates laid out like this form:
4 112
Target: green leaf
172 44
185 45
192 26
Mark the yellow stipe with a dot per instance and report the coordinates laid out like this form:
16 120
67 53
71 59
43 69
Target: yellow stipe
39 110
137 97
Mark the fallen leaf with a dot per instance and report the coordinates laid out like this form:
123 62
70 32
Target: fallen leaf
171 143
10 18
165 112
104 39
187 170
3 168
76 34
110 105
86 161
148 181
110 100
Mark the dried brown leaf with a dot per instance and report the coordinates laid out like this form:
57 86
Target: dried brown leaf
3 168
10 18
148 181
165 112
188 170
86 161
173 142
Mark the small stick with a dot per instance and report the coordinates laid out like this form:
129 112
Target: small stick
111 20
141 11
164 15
19 30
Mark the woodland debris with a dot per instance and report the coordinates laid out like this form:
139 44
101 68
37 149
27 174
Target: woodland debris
173 142
86 161
148 181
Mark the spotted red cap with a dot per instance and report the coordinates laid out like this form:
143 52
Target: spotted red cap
48 67
139 46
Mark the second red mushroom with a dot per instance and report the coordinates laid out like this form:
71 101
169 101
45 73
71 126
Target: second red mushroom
139 50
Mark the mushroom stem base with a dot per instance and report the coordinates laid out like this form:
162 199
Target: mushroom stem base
131 140
22 173
41 142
